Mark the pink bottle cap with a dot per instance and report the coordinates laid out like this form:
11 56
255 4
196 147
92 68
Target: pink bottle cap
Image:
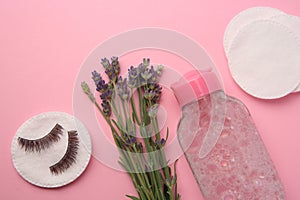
194 85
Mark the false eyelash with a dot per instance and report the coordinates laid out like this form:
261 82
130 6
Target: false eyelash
41 143
70 156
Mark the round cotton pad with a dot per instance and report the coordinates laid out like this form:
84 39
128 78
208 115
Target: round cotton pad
297 89
34 165
293 23
244 18
290 21
264 59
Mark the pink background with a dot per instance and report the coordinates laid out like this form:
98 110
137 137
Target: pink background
43 43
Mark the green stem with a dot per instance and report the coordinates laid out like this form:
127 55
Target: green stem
127 119
161 153
117 114
140 176
134 111
140 102
118 100
149 185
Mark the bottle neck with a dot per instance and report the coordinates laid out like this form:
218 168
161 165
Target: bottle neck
194 85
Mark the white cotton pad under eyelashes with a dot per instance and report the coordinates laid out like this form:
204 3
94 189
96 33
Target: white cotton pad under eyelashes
264 59
244 18
34 166
293 23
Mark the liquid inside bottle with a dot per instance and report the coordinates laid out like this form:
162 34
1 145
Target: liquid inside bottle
235 163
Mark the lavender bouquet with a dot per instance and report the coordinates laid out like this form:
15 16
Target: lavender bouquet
129 106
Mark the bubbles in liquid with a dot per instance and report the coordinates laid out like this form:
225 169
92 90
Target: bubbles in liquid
229 195
224 163
238 167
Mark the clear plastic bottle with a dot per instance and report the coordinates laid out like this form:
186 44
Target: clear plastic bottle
221 143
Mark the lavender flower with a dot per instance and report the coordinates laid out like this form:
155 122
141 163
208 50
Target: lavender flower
149 95
152 112
163 141
106 95
115 64
85 88
133 74
141 69
152 92
131 140
87 91
101 86
105 92
159 69
142 75
122 89
145 78
96 77
132 83
160 143
112 69
105 63
146 75
146 61
155 74
106 108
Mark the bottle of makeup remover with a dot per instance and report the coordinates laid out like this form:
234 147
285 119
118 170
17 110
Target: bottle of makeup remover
221 143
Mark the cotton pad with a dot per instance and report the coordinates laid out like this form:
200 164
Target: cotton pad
34 166
293 23
297 89
264 59
244 18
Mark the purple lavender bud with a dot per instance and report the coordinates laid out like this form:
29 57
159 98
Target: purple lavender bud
159 69
114 59
154 77
149 95
146 61
96 77
115 65
105 63
106 108
127 141
106 95
162 141
133 140
141 68
132 83
133 72
156 142
146 75
111 74
101 86
155 90
112 70
122 89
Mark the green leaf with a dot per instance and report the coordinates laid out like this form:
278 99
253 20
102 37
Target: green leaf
167 135
175 164
117 125
132 197
134 113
